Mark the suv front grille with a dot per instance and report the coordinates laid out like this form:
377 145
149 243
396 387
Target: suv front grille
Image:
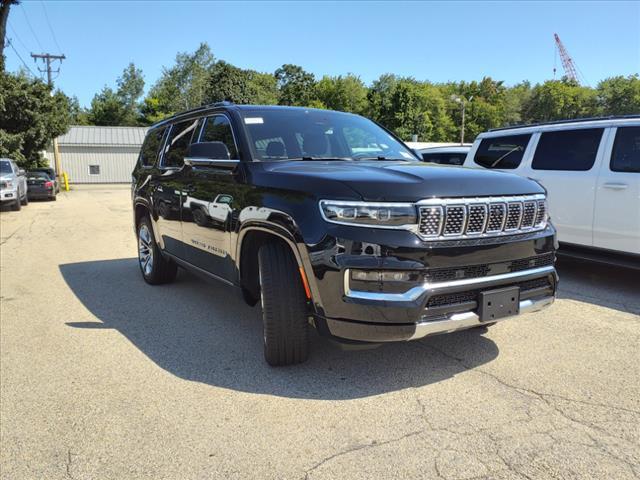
473 217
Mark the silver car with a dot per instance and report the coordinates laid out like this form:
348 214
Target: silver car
13 184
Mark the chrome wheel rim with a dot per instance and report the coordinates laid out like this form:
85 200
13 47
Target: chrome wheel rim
145 250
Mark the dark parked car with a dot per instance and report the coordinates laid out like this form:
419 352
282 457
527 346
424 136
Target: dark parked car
40 186
52 175
329 220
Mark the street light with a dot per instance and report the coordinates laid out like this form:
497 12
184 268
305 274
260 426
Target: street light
463 102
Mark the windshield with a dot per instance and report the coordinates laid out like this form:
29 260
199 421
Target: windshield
5 166
36 175
295 134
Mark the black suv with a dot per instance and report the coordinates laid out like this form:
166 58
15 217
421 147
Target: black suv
328 219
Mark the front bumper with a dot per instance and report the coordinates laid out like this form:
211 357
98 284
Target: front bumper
436 305
8 195
377 333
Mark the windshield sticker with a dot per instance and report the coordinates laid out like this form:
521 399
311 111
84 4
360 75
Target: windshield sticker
253 120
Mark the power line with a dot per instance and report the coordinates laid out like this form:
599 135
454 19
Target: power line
46 16
48 59
23 62
30 27
15 34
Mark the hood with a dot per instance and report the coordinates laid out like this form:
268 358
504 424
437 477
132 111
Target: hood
406 182
7 177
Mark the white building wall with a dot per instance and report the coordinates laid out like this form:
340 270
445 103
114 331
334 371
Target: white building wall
114 162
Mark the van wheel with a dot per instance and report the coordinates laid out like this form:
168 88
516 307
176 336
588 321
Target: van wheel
284 307
25 200
155 268
17 205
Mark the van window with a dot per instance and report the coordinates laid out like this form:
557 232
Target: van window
218 129
176 147
444 158
626 150
502 152
151 146
571 150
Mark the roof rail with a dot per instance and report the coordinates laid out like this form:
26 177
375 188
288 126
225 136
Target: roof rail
561 122
225 103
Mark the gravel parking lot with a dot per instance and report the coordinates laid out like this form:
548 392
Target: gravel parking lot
103 376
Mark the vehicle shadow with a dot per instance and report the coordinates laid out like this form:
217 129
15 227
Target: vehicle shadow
204 332
605 285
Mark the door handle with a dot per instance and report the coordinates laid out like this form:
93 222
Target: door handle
615 186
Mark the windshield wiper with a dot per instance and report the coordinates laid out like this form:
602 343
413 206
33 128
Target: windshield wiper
383 158
310 158
506 154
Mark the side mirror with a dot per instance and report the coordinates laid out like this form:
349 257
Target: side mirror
208 151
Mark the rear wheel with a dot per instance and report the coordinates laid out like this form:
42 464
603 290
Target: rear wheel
284 307
155 268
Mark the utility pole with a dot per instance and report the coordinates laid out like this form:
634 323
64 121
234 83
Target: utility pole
47 58
463 102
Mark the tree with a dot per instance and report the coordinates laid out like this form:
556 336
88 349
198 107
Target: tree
30 117
236 85
346 93
180 87
559 100
120 107
295 85
130 89
5 6
619 95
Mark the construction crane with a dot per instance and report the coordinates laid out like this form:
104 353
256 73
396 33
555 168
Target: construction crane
569 67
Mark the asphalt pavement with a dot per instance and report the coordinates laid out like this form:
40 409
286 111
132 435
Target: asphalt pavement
105 377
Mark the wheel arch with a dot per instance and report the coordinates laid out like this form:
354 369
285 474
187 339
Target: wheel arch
251 238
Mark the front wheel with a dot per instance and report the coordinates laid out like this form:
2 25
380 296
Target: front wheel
284 307
17 205
155 268
25 200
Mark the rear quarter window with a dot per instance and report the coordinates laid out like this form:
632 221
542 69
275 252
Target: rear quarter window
151 147
502 152
569 150
626 150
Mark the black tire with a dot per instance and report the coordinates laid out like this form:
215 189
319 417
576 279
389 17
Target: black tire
155 269
53 198
25 201
17 205
284 307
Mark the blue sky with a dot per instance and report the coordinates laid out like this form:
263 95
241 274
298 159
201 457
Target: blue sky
510 41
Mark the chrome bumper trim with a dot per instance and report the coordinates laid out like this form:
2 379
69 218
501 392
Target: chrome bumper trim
464 320
415 292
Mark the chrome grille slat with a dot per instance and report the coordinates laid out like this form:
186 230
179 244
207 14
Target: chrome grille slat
431 221
460 218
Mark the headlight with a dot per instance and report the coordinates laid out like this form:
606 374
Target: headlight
8 184
369 213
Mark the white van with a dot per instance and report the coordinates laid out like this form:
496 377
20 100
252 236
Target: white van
591 170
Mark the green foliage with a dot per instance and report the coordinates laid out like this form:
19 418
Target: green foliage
120 107
236 85
619 95
30 117
559 100
295 85
348 93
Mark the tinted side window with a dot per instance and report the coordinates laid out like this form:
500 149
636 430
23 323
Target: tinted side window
444 158
176 147
502 152
218 129
572 150
626 150
151 146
